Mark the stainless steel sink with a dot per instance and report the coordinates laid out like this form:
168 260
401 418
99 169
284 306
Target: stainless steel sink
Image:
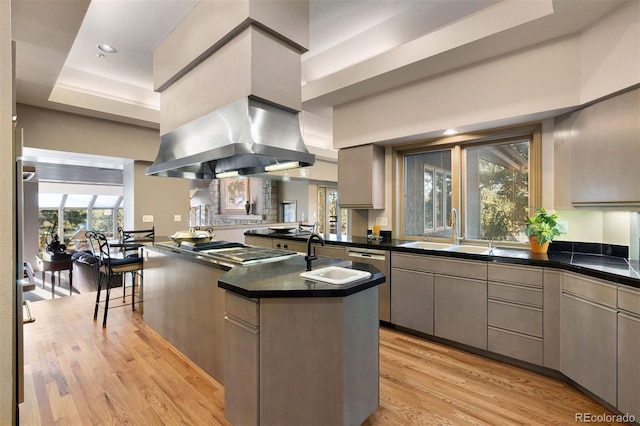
335 275
428 245
470 249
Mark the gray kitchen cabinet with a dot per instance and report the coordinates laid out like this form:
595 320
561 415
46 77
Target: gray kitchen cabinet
270 344
605 139
514 311
588 335
629 351
460 310
290 245
257 241
455 289
552 289
412 291
242 343
183 304
361 177
456 310
334 252
412 299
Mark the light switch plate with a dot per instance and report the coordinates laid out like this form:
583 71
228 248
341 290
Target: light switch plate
147 218
177 218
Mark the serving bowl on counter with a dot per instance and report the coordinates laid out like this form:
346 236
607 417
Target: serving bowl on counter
194 235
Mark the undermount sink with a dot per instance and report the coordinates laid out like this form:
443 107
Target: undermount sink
470 249
428 245
335 275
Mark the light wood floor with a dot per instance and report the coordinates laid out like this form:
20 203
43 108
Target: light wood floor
76 373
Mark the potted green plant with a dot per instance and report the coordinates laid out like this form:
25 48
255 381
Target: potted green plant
542 228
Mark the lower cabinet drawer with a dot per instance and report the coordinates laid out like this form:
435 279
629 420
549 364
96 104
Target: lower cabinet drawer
515 345
516 293
516 318
629 300
247 310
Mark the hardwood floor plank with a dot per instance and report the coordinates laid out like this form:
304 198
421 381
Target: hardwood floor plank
78 373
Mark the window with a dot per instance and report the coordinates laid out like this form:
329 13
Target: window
427 195
497 191
491 179
77 211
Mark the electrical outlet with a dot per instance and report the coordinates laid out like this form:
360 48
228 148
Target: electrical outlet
147 218
177 218
383 221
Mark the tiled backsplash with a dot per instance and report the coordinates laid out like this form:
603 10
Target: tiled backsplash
590 248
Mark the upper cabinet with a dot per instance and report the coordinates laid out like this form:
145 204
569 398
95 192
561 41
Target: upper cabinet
361 177
605 152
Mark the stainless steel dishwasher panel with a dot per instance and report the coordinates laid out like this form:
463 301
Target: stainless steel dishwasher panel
381 260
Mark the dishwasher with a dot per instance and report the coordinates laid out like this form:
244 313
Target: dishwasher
381 260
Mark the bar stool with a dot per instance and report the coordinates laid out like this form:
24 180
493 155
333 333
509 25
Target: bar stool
111 267
130 244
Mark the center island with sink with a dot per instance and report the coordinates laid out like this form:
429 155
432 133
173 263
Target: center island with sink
290 346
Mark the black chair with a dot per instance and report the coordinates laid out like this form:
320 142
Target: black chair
131 241
130 244
110 267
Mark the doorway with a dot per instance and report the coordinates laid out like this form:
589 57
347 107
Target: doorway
332 219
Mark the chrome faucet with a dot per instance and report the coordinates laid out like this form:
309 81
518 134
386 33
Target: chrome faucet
309 258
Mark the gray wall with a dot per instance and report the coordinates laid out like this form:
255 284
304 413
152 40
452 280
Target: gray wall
296 191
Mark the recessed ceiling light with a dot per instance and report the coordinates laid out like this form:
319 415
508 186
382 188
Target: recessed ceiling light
107 48
450 132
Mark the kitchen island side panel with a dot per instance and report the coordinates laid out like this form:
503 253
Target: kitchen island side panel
319 359
184 304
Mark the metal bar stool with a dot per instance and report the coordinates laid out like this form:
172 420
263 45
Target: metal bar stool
111 267
130 243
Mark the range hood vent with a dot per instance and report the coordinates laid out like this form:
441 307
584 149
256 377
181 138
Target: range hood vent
245 136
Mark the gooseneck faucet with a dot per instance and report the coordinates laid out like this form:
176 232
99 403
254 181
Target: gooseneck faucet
309 258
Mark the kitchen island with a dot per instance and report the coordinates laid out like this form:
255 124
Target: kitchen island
287 349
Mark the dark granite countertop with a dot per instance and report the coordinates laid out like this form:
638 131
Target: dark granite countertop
282 279
598 264
278 278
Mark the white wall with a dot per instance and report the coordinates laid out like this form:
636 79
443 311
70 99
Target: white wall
60 131
610 53
160 197
31 221
7 220
563 73
509 86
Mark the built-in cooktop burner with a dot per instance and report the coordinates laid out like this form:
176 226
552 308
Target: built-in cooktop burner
247 255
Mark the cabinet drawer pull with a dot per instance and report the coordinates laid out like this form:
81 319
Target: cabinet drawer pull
242 324
590 302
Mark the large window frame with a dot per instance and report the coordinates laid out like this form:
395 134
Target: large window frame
63 209
457 144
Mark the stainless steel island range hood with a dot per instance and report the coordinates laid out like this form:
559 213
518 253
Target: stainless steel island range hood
245 137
